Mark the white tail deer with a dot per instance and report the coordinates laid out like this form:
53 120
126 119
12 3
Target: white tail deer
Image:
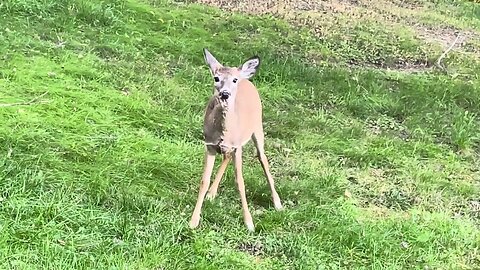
233 116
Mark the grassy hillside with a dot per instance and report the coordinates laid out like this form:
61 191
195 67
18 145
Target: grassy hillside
374 149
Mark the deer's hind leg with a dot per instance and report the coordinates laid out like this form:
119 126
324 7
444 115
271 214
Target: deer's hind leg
259 139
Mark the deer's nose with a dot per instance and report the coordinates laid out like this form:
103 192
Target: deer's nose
224 95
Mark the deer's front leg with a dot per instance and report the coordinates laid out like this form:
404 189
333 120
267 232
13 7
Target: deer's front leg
212 191
247 217
209 161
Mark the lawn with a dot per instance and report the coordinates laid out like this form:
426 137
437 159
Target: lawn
373 144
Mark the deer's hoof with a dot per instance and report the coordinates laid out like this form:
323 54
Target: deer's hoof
194 223
278 205
210 196
250 226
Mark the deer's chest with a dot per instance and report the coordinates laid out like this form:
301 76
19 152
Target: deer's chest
220 129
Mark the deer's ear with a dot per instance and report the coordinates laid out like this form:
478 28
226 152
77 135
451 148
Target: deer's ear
250 67
213 64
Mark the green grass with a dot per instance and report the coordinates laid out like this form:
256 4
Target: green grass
378 169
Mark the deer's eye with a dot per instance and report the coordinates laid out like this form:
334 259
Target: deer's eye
235 80
216 79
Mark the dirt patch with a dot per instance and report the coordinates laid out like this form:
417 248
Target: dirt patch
470 209
297 12
248 6
254 249
388 125
374 188
410 4
411 13
443 36
468 41
408 66
394 199
474 207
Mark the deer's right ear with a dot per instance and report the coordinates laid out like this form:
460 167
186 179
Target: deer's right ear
211 61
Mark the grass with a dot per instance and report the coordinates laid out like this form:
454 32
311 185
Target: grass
377 167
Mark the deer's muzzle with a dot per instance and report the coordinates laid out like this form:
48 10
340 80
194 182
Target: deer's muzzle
224 95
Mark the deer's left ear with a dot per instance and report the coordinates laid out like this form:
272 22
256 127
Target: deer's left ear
250 67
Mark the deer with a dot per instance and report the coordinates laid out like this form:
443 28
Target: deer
233 117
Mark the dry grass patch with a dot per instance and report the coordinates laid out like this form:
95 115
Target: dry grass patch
345 20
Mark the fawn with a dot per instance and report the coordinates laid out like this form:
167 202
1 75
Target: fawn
232 117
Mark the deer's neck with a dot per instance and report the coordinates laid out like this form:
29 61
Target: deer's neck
221 121
228 116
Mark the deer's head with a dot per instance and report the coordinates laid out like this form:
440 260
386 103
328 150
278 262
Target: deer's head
226 79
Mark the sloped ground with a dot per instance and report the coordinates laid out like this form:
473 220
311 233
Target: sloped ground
377 167
403 35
